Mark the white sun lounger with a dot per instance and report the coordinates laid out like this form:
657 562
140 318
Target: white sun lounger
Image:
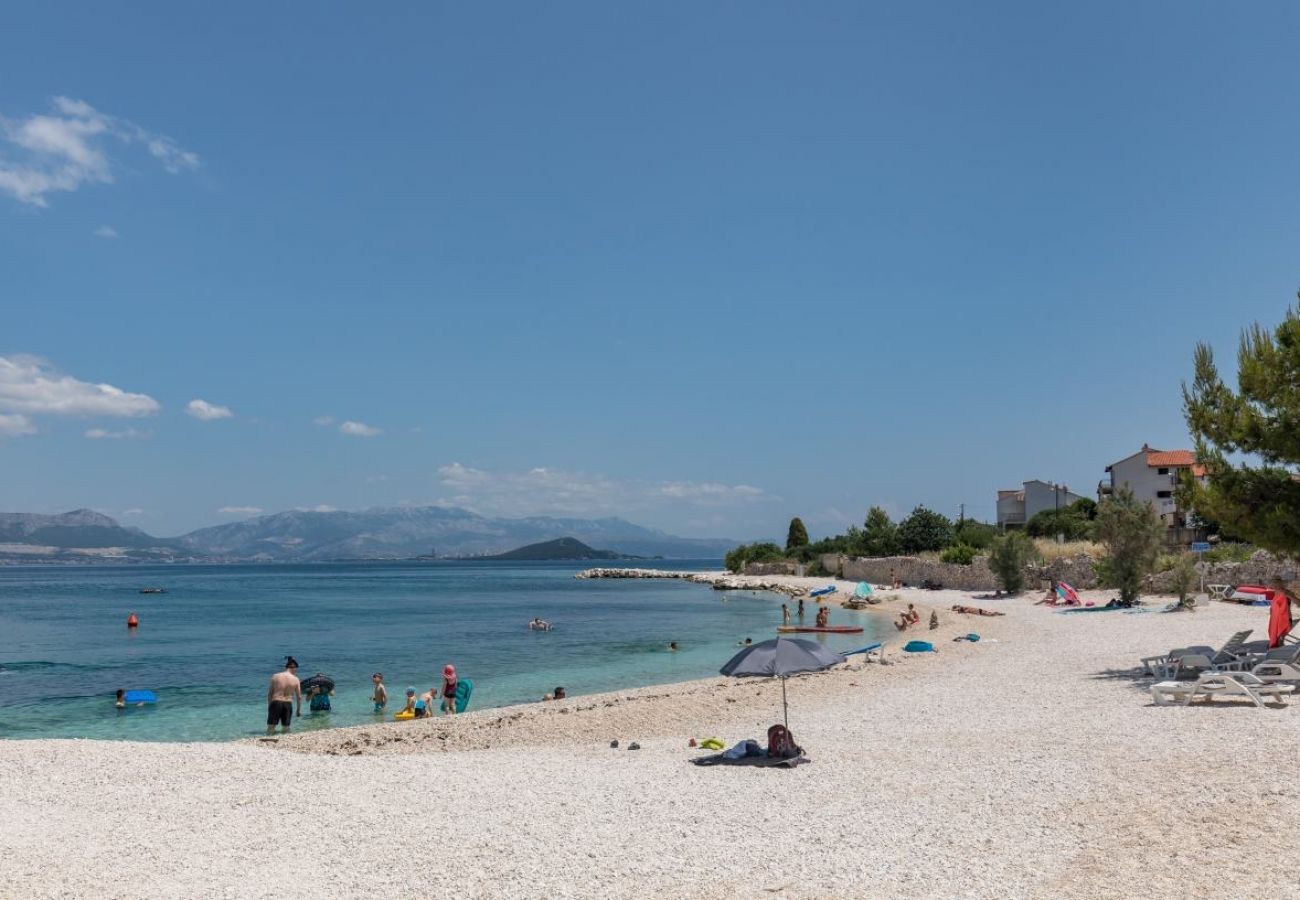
1220 684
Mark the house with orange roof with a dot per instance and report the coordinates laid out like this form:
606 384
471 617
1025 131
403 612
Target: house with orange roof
1153 476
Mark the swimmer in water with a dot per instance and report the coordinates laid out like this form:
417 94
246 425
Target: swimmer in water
672 647
120 701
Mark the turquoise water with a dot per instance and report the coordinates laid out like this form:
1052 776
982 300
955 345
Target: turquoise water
208 646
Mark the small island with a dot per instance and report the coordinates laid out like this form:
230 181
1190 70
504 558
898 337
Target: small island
564 548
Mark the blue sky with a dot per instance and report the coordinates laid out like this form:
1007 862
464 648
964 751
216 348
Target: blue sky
703 265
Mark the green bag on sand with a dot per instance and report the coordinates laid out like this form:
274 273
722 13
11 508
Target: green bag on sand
712 744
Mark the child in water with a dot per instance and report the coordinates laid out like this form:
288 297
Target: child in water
380 695
120 702
410 701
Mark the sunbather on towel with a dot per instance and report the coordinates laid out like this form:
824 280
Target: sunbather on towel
976 611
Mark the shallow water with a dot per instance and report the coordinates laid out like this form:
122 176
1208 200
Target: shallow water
208 646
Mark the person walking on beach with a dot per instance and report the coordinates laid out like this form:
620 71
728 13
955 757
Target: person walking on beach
380 696
281 696
449 684
785 614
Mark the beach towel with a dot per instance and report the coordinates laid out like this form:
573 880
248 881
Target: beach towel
762 762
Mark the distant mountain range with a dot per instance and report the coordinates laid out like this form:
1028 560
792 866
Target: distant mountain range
381 533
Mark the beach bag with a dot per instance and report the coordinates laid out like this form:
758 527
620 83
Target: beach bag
780 743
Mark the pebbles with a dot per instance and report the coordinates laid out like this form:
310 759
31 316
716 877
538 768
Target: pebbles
1031 767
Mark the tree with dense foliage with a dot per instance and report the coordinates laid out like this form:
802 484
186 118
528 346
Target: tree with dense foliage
924 530
767 551
1008 558
1258 498
797 536
1132 533
879 534
1048 523
979 535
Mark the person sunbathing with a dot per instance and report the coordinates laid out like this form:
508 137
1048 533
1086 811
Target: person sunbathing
976 611
903 622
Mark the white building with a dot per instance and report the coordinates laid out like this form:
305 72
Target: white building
1153 476
1016 507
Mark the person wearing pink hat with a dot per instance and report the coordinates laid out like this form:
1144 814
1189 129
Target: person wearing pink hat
449 682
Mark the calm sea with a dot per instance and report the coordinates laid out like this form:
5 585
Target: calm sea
208 646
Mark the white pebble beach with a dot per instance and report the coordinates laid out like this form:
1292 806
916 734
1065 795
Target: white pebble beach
1030 764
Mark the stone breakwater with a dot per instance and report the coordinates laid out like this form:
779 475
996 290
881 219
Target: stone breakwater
719 581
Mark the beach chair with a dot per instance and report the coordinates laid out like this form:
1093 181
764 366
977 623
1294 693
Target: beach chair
1220 684
1277 672
1229 657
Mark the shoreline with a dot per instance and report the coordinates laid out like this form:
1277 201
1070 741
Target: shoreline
1030 764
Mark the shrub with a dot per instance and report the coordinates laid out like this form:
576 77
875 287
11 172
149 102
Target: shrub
924 530
736 559
1230 551
797 536
1132 534
1008 558
1184 579
961 554
979 535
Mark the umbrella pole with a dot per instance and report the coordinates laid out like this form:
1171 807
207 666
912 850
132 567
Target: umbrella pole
785 707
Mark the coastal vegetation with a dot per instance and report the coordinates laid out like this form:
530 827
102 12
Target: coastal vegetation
738 558
1132 534
1008 558
1258 497
797 535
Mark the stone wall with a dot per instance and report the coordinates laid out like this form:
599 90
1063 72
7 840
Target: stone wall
777 567
977 576
1263 568
1079 572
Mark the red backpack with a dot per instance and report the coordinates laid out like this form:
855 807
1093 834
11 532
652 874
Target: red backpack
780 743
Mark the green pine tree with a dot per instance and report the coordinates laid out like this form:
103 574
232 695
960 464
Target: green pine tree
1257 497
797 536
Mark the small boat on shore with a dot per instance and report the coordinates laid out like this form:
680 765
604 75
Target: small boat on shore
823 629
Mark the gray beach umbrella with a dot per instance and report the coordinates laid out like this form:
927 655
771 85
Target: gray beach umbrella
781 658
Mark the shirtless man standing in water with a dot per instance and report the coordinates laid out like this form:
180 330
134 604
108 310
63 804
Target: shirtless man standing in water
280 697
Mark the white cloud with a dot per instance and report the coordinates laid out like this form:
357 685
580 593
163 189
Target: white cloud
320 507
133 511
99 434
359 429
708 491
67 148
202 409
105 232
15 425
323 420
240 510
29 385
543 490
376 479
